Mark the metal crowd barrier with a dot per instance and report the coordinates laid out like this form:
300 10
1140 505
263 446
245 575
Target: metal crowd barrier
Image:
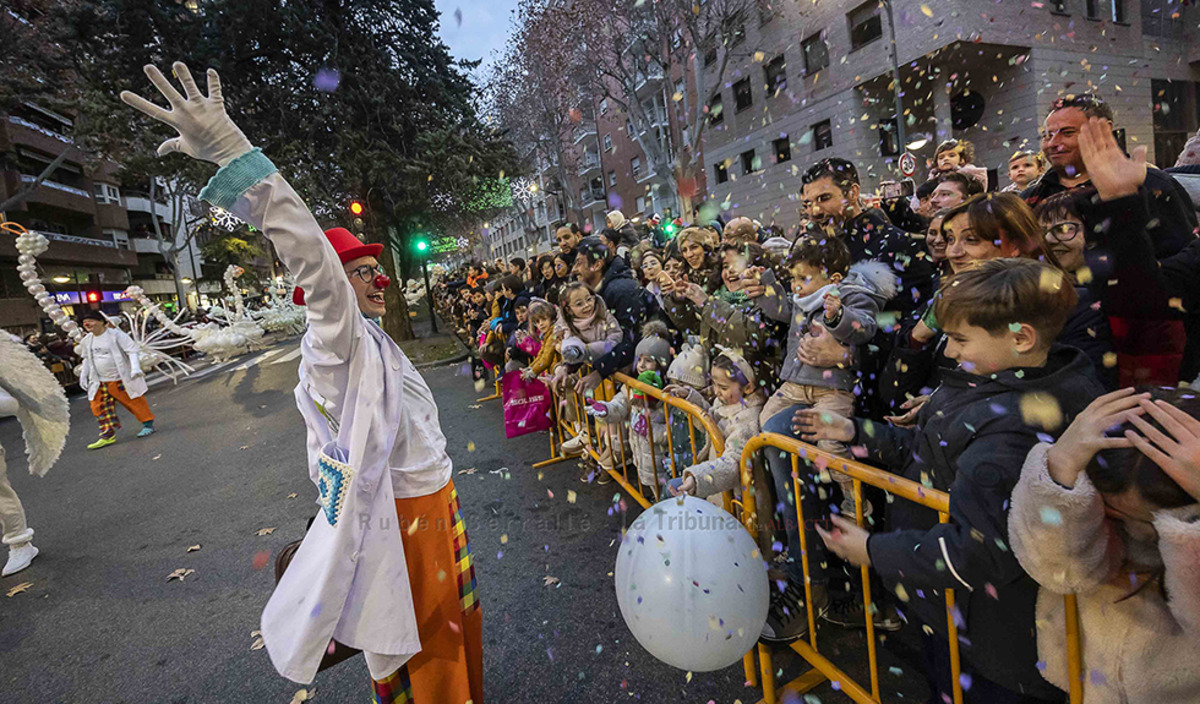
615 436
822 667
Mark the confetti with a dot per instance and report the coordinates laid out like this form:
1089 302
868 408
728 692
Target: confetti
22 587
193 548
261 558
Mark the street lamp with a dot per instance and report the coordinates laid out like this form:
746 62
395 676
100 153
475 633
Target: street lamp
887 5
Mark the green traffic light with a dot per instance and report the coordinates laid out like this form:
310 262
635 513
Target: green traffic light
669 228
422 245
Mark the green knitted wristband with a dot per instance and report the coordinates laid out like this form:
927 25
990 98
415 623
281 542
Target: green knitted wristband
235 178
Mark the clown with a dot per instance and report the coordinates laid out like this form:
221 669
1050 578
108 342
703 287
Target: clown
111 374
376 452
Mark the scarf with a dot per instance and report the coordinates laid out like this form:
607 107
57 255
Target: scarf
735 298
814 300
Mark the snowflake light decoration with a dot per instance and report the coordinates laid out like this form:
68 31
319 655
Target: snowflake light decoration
224 219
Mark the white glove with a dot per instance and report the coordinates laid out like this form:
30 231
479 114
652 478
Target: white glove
205 131
596 409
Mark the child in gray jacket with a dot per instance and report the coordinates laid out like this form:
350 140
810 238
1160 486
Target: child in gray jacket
845 300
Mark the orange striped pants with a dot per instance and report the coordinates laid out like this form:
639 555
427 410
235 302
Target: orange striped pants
441 570
104 407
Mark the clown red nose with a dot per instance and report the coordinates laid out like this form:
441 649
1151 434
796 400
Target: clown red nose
382 281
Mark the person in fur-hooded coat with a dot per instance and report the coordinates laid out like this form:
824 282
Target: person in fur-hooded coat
31 393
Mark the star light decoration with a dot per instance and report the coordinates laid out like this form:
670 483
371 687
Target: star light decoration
224 219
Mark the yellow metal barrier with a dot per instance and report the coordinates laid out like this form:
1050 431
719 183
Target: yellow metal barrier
619 471
823 668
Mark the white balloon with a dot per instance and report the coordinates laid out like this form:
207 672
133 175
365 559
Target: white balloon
692 585
28 275
26 259
37 290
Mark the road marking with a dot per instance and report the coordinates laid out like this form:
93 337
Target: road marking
257 360
288 357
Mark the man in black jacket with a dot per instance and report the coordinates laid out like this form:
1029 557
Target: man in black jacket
1168 202
613 280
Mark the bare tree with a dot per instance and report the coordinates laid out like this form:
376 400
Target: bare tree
183 226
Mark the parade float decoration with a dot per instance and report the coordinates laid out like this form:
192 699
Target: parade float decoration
283 315
29 246
156 345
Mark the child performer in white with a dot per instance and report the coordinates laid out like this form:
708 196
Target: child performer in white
405 598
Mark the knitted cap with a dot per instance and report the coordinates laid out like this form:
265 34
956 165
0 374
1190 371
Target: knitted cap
655 344
690 367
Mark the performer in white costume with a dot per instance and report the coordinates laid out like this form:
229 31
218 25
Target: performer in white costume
111 374
375 447
31 393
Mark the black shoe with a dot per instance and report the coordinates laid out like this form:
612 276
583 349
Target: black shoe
787 619
847 612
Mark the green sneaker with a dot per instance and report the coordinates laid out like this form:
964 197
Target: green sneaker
102 442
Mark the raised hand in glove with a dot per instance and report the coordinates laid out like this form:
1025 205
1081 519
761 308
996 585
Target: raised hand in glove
205 130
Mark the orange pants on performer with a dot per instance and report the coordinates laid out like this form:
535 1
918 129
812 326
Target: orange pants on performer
449 668
104 407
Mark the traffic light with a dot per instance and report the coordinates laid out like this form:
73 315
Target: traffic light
669 229
422 245
356 208
93 296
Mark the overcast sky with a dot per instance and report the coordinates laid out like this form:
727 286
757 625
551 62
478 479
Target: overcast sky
483 30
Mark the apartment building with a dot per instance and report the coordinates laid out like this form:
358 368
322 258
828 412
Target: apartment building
99 231
816 80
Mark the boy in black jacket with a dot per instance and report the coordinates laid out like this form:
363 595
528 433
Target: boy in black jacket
1012 387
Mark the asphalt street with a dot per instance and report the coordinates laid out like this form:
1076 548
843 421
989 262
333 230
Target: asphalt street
226 471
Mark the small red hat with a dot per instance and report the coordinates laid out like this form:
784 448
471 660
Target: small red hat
348 247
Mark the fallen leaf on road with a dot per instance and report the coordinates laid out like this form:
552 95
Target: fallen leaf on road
262 405
292 495
179 574
474 406
193 548
472 470
264 531
549 581
243 447
257 644
254 634
301 696
156 456
22 587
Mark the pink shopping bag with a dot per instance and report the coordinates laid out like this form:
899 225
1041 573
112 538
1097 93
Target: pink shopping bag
526 405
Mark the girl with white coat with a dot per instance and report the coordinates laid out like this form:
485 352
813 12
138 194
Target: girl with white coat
1110 513
112 373
385 566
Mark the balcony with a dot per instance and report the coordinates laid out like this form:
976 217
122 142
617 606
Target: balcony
40 130
76 250
592 197
591 163
582 132
651 79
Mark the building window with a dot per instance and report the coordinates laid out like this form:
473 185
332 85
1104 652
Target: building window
1163 18
748 162
612 179
737 33
107 194
822 135
783 149
775 72
889 137
743 95
866 25
716 113
816 53
608 147
1118 11
635 166
721 172
1090 9
603 105
641 204
1171 125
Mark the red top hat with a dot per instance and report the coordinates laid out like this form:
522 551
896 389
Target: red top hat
348 247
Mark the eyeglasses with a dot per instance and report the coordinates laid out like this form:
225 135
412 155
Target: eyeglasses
1062 231
366 273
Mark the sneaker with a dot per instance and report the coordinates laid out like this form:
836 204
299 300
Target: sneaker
574 445
847 612
19 557
603 477
102 442
787 619
587 472
146 431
